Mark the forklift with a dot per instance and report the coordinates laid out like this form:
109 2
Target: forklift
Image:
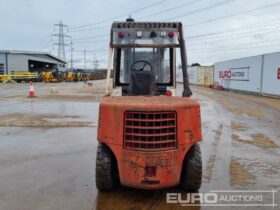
147 136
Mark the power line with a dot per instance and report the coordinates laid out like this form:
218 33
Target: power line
233 15
120 16
221 33
232 36
90 29
43 42
194 24
170 9
92 37
92 41
240 46
201 9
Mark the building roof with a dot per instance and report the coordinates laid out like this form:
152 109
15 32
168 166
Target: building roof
32 53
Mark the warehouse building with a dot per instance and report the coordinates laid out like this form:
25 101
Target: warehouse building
12 61
257 74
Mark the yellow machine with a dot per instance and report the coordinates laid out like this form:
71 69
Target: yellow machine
19 76
52 76
70 76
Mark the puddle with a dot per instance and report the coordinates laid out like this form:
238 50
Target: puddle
264 141
42 120
238 126
207 174
239 176
248 111
258 140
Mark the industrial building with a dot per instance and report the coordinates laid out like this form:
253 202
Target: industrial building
12 61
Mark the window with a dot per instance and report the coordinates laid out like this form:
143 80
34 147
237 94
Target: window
158 60
2 68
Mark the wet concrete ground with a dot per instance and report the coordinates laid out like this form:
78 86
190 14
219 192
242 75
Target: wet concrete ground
48 147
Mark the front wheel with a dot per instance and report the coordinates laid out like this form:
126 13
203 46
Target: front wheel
191 175
104 176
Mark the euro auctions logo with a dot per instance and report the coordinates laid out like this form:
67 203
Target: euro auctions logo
225 74
278 73
235 74
237 198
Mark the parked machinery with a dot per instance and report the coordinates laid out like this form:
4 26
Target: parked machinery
53 75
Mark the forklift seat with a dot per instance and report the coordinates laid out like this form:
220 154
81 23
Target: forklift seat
142 83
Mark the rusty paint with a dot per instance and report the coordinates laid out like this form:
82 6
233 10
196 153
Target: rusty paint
132 162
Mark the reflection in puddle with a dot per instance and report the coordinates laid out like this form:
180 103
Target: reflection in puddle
134 199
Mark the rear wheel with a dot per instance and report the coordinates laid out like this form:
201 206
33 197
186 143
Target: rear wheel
104 174
191 175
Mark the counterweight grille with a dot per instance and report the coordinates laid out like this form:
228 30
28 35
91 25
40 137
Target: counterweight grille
150 131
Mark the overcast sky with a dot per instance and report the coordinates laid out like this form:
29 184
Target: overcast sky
215 30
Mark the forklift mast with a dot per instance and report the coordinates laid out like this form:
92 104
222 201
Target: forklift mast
159 36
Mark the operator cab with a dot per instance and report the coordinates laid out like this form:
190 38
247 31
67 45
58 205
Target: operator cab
144 57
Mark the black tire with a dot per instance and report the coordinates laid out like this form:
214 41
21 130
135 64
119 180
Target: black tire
191 175
104 172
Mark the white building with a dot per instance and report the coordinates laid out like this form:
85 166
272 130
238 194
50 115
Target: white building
28 61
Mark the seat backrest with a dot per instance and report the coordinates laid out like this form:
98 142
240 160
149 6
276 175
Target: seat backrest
141 83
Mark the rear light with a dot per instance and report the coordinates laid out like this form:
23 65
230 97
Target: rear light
150 171
139 34
121 34
171 34
168 93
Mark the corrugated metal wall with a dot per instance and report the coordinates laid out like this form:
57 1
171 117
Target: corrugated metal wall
193 76
3 63
240 74
205 75
271 74
198 75
257 74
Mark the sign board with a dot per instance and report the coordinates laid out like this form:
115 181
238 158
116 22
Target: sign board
241 74
278 73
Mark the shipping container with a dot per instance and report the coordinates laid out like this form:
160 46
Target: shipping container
191 72
240 74
205 75
256 74
179 75
193 76
271 74
198 75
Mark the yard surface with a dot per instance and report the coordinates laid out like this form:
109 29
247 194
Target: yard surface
48 147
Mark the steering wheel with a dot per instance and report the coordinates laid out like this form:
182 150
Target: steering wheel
133 66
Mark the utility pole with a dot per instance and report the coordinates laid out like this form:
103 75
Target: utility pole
71 49
61 40
95 62
85 58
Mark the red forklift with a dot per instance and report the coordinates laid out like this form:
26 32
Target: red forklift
147 136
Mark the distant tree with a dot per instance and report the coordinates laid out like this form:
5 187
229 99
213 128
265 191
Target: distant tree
195 64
